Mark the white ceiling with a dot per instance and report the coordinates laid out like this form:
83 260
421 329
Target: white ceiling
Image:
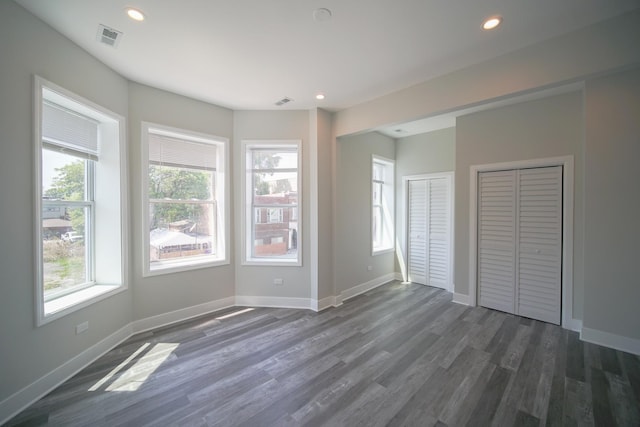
248 54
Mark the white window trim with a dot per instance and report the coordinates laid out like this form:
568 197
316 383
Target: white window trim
222 185
390 186
93 292
247 205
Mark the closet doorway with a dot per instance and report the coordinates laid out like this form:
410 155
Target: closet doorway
521 238
429 229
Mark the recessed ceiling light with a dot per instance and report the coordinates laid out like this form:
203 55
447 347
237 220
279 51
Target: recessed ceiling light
320 96
492 22
135 14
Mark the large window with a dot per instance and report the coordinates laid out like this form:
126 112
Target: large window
272 202
80 202
382 205
185 200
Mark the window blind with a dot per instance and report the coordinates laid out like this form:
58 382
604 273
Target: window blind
68 131
168 151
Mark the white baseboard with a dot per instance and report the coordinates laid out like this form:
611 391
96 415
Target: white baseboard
607 339
275 302
324 303
181 315
17 402
573 325
398 276
364 287
460 299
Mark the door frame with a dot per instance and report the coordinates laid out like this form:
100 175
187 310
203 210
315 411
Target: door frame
568 322
404 226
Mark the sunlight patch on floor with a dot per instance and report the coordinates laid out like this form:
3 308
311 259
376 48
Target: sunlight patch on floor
136 369
235 313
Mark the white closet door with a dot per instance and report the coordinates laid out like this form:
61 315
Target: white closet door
429 231
540 244
438 253
417 233
520 242
497 240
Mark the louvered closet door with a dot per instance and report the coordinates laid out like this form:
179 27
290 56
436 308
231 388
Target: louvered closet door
540 244
438 252
497 240
417 235
520 242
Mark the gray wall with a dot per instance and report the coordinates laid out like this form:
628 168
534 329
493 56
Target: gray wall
352 247
258 280
420 154
612 205
549 127
169 292
593 50
29 47
324 204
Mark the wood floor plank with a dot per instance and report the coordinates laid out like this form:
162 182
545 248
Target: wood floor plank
602 413
510 404
401 354
555 407
625 411
488 404
631 365
458 413
525 420
575 358
578 407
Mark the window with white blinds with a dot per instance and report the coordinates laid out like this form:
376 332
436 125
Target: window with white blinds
69 131
185 200
171 151
81 198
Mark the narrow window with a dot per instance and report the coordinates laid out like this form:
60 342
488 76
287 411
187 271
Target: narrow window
78 150
382 205
69 151
185 200
272 180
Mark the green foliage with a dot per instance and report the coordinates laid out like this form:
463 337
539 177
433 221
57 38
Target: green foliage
263 160
68 184
171 183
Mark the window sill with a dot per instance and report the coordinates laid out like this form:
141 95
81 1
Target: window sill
382 251
185 265
272 262
62 306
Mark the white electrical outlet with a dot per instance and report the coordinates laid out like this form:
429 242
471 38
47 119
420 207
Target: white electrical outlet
278 282
82 327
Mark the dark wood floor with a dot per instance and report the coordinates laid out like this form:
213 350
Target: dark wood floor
401 355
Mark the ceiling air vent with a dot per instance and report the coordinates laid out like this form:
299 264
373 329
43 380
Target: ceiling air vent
109 36
283 101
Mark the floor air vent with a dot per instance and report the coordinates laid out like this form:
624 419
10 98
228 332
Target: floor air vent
109 36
